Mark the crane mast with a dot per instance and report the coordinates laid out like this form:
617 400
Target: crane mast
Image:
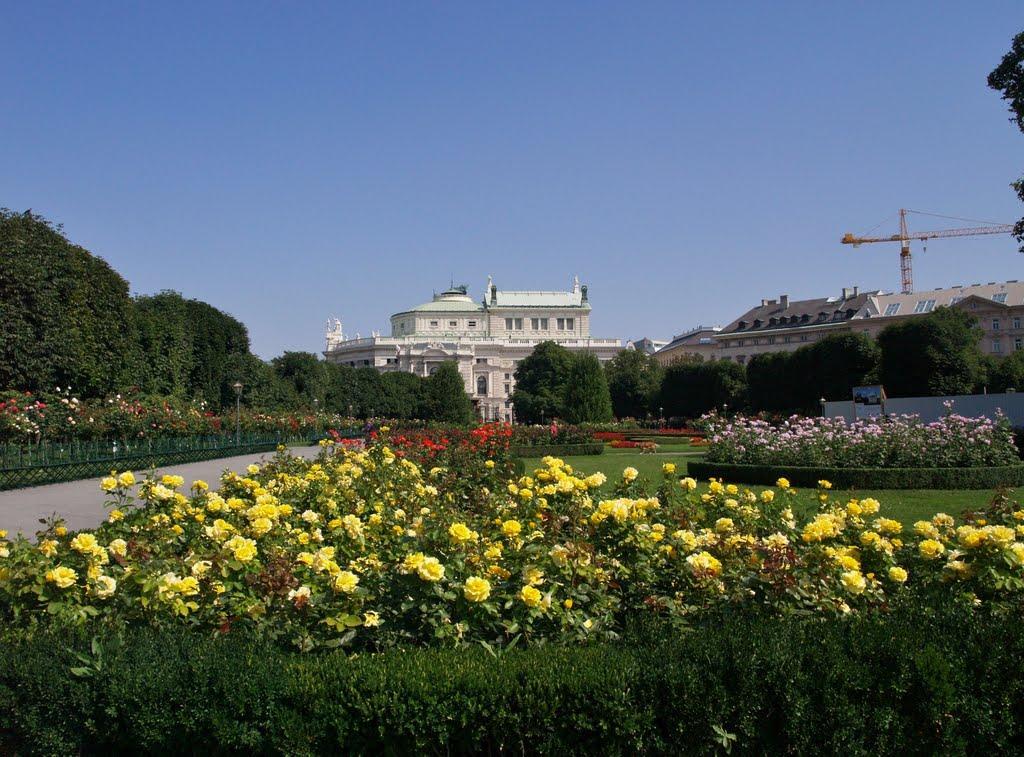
904 236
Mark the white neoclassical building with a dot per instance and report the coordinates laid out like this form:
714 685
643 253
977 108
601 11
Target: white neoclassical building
486 339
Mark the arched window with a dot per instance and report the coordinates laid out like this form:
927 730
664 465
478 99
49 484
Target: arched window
481 385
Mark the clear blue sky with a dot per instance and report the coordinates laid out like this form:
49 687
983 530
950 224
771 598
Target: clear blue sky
290 161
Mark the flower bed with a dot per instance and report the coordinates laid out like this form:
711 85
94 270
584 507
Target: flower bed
60 416
895 442
368 549
981 477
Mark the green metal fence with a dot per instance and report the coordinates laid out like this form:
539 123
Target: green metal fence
53 462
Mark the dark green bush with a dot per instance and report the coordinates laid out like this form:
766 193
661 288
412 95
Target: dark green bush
864 478
559 450
912 681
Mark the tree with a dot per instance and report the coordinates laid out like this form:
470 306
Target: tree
540 383
931 355
306 374
261 386
1007 373
185 345
403 394
1008 78
586 391
445 397
688 390
633 381
770 382
66 316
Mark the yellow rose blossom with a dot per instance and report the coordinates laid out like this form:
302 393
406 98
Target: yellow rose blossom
346 581
511 528
854 581
476 589
531 596
126 480
668 468
430 569
62 577
108 484
105 586
931 549
897 574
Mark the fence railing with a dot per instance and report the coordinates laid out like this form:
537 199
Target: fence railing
54 462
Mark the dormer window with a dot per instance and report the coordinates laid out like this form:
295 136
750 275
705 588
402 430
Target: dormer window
822 316
741 325
757 323
850 313
773 321
805 318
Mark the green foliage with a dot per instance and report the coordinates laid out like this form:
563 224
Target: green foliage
688 390
865 478
445 397
65 316
586 391
931 355
558 450
1007 373
540 383
187 346
796 381
915 680
1008 78
634 378
305 373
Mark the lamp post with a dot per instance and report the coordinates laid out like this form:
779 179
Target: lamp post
237 386
661 416
725 409
316 418
822 402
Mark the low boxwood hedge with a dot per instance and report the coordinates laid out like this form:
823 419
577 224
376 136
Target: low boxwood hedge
908 682
864 478
558 450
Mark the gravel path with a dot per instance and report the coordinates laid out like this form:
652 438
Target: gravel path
80 503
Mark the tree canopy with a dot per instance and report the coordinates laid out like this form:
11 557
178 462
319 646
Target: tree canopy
634 378
539 394
931 355
586 391
1008 78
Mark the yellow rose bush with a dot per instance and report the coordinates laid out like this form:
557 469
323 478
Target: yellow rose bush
364 548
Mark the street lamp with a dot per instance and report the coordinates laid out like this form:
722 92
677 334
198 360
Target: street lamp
316 418
822 402
237 386
725 409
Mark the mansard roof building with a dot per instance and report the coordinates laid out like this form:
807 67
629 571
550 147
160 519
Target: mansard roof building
783 324
486 339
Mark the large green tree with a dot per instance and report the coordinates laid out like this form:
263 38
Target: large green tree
186 345
688 390
306 373
66 317
633 381
445 397
931 355
796 381
586 391
1008 78
539 395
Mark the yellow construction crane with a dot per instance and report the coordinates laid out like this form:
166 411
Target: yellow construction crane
904 237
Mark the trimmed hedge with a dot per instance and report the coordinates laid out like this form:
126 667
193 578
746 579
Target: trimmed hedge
909 682
558 450
864 478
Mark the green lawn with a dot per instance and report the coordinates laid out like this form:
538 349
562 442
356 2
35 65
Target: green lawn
906 505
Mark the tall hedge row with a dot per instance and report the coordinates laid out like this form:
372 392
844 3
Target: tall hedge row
911 682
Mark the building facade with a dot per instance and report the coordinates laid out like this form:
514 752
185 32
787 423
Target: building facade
486 339
782 324
697 342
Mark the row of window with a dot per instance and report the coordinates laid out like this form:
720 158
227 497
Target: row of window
541 324
451 324
1015 323
997 345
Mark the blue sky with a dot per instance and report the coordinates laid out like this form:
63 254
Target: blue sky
288 162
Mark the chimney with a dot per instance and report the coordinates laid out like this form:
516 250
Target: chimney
847 293
784 301
856 290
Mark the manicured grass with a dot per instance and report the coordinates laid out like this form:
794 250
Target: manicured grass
905 505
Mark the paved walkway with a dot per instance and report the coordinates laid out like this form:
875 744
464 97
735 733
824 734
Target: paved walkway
81 502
